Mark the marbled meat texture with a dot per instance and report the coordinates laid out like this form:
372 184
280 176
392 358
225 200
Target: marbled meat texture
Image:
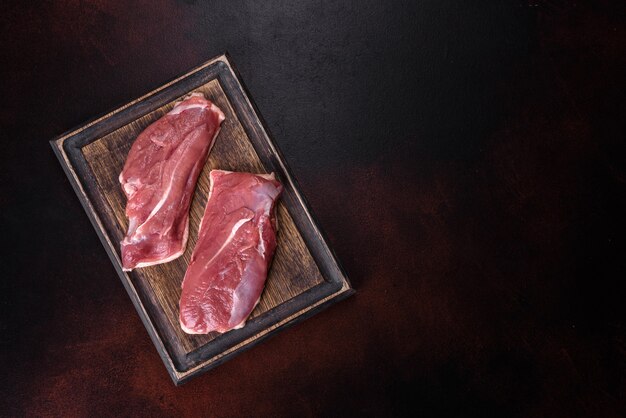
236 243
159 178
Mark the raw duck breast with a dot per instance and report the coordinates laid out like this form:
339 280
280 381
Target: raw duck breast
159 179
236 243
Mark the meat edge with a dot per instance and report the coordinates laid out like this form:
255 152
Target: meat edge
174 256
171 257
270 176
238 326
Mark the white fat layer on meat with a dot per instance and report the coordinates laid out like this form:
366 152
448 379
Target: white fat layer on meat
267 211
230 238
261 251
182 107
217 110
188 330
178 107
171 257
261 247
160 203
129 189
163 198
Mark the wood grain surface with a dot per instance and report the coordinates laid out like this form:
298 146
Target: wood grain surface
96 161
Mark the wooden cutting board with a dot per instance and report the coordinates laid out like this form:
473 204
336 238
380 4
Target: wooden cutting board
304 277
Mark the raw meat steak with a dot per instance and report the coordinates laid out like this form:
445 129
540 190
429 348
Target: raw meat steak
159 178
236 242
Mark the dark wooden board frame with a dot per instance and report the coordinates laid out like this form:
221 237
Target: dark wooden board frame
335 287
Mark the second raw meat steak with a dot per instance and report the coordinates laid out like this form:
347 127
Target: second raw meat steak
236 243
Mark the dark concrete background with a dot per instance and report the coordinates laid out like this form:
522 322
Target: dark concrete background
465 160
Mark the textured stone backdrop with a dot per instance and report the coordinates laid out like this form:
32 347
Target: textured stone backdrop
466 161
